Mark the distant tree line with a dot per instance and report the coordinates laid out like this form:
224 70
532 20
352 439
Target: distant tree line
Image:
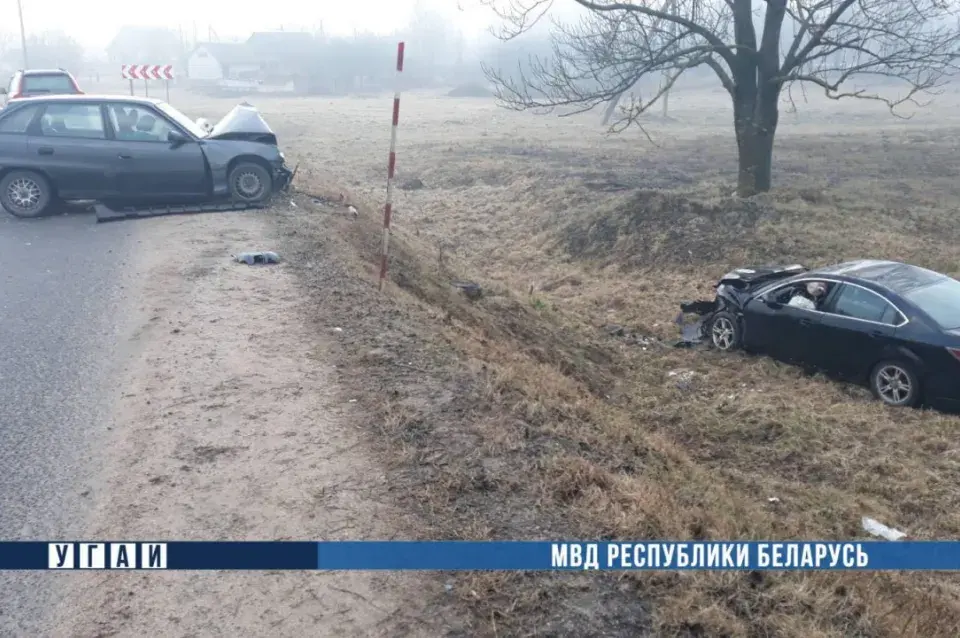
45 50
436 55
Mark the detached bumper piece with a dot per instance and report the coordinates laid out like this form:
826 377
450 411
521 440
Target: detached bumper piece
692 332
105 214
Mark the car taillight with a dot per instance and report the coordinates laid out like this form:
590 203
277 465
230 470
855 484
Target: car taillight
955 352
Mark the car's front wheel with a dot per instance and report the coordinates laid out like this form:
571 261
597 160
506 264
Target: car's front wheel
896 383
25 194
250 183
724 332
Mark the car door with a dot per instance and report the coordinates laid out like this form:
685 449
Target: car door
857 324
69 143
782 331
14 125
148 164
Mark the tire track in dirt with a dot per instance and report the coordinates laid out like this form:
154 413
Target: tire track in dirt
228 428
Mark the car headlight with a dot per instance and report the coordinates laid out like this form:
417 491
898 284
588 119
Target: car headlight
282 156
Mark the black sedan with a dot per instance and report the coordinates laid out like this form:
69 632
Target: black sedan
891 326
131 150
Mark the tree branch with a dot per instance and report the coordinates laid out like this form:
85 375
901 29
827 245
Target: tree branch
690 25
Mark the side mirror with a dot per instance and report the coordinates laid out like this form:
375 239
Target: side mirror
176 137
3 90
772 303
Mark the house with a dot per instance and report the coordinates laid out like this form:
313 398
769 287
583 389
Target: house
211 62
268 57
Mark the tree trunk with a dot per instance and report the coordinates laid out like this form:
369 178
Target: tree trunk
755 135
755 159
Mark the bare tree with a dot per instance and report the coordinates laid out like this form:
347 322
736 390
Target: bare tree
905 47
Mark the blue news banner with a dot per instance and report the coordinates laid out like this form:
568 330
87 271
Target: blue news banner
467 555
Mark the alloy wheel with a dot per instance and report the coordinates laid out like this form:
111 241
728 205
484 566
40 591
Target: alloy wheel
24 193
893 384
723 333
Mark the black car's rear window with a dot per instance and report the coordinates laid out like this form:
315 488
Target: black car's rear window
940 300
47 83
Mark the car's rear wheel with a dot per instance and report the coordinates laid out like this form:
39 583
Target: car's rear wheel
250 183
896 383
724 332
26 194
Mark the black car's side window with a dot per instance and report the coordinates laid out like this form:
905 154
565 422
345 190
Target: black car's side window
73 120
891 316
18 121
134 123
860 303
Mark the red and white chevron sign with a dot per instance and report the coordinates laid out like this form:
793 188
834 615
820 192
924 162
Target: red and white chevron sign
147 71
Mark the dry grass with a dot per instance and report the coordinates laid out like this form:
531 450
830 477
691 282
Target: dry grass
541 424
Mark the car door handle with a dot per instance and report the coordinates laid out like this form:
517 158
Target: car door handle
806 322
45 150
878 333
125 156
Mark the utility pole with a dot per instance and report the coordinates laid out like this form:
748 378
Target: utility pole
23 35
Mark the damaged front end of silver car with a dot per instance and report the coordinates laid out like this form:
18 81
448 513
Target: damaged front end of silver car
244 123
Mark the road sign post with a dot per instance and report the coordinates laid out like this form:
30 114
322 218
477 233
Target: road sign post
147 72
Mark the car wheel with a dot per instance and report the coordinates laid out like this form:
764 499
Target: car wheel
724 332
25 194
250 183
895 383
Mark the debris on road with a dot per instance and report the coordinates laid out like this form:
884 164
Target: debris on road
122 213
471 290
260 257
614 330
876 528
683 378
691 333
632 337
414 184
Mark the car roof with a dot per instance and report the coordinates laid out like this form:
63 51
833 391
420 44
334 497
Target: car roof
127 99
44 72
894 276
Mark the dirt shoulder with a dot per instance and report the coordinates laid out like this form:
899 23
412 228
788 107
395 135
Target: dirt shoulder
229 425
464 396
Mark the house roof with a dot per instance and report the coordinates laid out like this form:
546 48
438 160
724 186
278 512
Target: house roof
293 48
230 52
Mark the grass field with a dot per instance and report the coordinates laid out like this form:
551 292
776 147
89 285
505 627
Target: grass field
528 419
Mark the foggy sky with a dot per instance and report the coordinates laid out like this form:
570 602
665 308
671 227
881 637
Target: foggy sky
94 23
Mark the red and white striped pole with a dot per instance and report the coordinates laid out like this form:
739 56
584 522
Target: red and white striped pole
391 166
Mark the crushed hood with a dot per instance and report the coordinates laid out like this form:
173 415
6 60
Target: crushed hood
243 122
756 275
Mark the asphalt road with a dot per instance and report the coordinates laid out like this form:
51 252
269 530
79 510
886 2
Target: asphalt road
62 296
